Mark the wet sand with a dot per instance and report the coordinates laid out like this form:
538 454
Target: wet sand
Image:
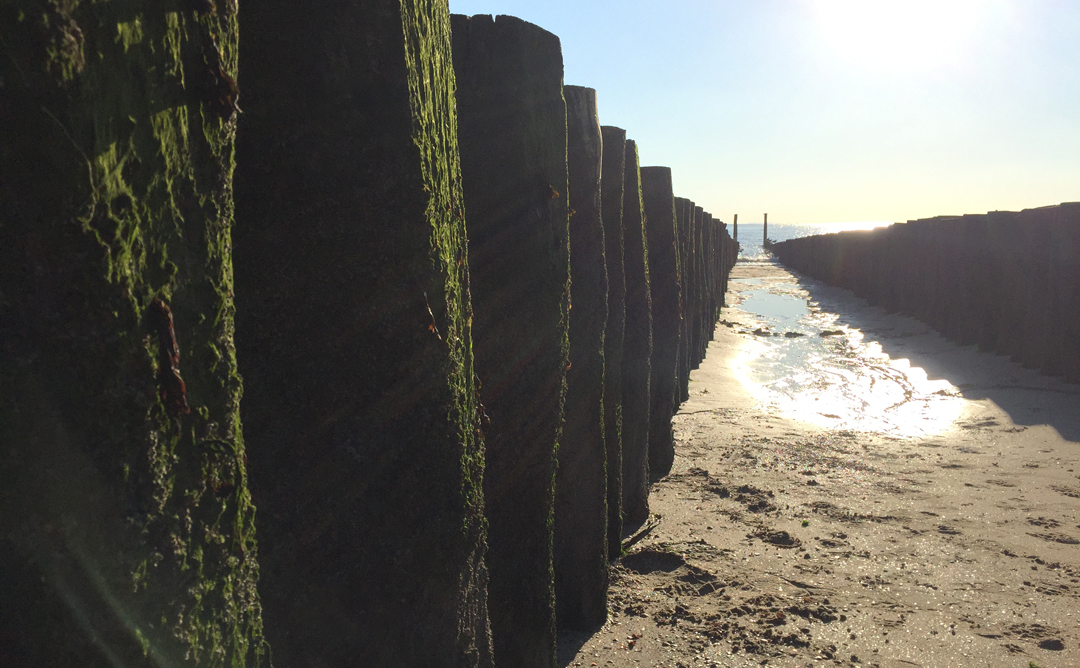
947 537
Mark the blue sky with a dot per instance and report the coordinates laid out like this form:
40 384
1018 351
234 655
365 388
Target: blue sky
822 111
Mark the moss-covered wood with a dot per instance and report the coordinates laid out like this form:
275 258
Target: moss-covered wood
728 254
513 156
683 207
126 525
659 203
581 573
708 320
354 337
611 196
698 339
693 301
637 347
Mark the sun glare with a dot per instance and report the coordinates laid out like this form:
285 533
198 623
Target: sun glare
900 36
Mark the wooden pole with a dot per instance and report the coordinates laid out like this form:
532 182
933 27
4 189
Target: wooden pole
765 232
735 230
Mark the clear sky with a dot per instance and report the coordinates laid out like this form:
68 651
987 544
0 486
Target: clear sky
821 111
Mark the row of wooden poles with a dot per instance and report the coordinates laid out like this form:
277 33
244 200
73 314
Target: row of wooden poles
463 314
1005 281
593 292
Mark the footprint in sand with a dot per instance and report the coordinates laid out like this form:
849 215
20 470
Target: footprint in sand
1056 538
1044 522
1047 637
780 539
1070 492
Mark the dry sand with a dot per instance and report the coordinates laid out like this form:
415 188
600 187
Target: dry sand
779 542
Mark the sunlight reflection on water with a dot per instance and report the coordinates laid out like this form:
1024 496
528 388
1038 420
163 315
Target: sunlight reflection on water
840 380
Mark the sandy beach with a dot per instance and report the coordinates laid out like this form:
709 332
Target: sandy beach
937 530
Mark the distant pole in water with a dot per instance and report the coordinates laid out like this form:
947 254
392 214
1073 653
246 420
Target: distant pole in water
765 233
735 232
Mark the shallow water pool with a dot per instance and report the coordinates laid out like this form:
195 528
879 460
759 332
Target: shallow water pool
809 364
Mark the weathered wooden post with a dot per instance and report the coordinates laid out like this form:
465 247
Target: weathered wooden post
126 523
354 337
512 129
637 347
612 180
709 286
581 540
659 201
735 229
683 209
765 230
700 340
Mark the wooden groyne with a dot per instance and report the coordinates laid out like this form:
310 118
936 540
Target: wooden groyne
414 304
1004 281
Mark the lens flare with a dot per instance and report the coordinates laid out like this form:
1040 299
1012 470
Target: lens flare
907 36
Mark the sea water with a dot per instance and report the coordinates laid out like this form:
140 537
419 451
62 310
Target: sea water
750 234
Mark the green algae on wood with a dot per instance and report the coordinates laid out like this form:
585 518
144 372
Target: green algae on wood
512 129
613 170
581 549
683 208
126 525
354 335
708 318
659 203
699 340
637 348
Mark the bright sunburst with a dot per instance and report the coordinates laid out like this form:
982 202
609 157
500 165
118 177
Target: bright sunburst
901 36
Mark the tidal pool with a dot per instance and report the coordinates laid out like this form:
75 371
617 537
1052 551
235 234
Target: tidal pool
811 365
